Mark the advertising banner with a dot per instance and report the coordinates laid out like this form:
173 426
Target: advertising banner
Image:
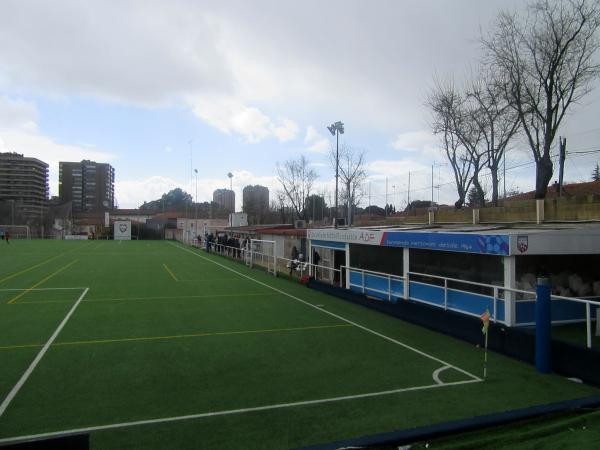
122 230
491 244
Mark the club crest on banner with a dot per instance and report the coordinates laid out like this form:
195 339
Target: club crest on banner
122 230
522 243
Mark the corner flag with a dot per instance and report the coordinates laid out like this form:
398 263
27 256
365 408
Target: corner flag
485 318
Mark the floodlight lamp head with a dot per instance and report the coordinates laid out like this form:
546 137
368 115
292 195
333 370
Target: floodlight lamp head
332 130
230 175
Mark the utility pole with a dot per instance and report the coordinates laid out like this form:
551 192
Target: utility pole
563 153
196 205
408 195
349 204
369 198
504 175
386 196
432 184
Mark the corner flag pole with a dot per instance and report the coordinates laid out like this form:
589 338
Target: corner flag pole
485 318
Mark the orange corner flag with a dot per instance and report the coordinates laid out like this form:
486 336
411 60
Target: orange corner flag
485 318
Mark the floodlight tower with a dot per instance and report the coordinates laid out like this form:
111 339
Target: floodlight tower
336 129
230 175
196 203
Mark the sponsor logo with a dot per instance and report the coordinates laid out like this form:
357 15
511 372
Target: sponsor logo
366 237
522 243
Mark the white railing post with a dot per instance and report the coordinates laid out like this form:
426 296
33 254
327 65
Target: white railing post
510 308
389 288
362 274
588 323
495 303
445 293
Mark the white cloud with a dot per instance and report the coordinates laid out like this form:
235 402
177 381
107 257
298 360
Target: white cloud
287 131
315 141
132 193
17 114
229 115
380 169
151 54
417 141
269 57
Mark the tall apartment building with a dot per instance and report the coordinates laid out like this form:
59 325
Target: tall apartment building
23 185
225 198
89 185
255 202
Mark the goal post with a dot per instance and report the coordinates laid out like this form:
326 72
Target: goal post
15 231
262 253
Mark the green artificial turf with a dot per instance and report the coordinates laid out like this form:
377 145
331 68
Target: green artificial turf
576 333
570 430
166 331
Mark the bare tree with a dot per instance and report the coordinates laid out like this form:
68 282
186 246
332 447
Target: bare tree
548 62
495 119
352 172
297 180
453 121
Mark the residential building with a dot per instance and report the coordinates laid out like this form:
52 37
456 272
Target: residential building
255 203
89 185
23 189
225 198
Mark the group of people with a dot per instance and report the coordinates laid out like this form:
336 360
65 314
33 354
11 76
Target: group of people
5 235
298 262
233 246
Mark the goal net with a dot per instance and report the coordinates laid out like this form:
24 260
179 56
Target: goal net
262 253
15 231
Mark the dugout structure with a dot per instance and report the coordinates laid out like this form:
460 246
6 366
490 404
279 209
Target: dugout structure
469 269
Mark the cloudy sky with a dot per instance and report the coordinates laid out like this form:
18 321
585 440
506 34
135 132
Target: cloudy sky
159 88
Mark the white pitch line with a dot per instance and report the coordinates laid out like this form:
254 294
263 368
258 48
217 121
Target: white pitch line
436 374
44 289
368 330
15 390
229 412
